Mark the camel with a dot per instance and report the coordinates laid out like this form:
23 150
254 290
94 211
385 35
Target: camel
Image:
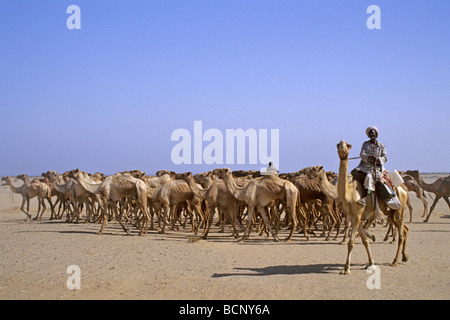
310 190
440 187
175 193
216 196
411 185
61 198
259 193
30 190
349 194
113 189
76 194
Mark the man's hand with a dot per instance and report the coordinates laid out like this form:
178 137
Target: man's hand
372 159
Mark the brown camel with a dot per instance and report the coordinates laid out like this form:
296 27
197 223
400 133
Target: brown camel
216 196
115 188
259 193
349 194
440 187
28 191
309 188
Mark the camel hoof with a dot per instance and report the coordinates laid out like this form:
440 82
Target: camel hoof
161 231
287 240
393 264
405 258
99 233
345 272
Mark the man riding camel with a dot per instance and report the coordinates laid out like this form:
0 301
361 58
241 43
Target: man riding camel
373 157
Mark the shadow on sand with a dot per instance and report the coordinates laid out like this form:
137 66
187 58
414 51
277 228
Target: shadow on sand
284 270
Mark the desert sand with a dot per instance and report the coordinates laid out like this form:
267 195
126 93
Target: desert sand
35 257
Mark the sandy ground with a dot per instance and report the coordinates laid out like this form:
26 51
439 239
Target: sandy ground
34 258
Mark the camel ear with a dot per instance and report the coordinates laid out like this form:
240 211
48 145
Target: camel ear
349 146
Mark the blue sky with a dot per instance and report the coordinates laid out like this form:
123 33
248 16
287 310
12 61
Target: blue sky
107 97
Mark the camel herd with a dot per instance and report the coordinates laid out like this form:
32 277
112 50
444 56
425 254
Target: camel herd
304 201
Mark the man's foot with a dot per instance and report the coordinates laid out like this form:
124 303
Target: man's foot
362 201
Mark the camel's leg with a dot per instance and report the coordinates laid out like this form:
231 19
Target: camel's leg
304 220
363 233
39 209
402 232
432 207
425 205
44 208
211 211
52 207
103 218
331 221
24 199
408 203
201 218
27 199
263 211
250 210
146 217
230 213
166 212
291 211
354 227
117 216
404 255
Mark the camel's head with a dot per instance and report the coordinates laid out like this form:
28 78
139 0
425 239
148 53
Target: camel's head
51 175
202 177
184 176
172 174
343 149
8 181
221 172
413 173
159 173
72 173
22 177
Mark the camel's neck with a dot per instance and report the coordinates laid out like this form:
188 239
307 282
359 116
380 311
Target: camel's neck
232 187
342 187
326 187
425 186
199 192
16 189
